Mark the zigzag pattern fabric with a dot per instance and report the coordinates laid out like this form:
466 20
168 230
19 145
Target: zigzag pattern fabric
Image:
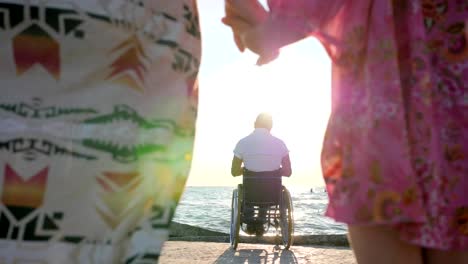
97 121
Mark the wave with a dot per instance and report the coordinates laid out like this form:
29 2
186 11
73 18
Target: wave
210 208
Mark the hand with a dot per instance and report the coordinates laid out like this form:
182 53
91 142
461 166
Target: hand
252 37
242 15
249 10
246 17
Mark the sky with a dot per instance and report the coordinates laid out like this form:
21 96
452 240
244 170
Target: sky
295 89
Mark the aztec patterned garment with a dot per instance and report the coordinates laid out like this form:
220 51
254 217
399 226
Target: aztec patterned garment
396 147
97 115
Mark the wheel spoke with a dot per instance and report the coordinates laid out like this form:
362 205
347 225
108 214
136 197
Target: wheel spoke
287 220
235 217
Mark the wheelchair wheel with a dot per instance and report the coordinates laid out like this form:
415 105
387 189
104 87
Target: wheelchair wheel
235 217
287 219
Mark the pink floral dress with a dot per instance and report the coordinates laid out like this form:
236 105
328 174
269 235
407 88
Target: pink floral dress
396 148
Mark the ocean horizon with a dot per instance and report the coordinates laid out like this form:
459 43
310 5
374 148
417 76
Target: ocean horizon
209 207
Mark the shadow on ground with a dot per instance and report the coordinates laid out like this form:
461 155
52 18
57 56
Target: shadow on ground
257 256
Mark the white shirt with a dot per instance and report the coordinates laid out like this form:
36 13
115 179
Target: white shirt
261 151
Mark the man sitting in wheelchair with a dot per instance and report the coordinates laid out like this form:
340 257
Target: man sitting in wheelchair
262 155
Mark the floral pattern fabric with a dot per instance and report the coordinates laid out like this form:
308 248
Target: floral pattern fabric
396 147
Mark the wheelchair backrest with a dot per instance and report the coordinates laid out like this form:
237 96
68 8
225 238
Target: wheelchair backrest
262 189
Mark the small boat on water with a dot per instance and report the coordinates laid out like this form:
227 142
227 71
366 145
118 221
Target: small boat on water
318 190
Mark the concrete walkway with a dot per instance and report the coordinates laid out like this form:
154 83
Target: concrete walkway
175 252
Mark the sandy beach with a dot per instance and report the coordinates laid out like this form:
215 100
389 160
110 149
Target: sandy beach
182 252
190 244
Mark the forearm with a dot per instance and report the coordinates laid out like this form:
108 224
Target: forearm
236 166
237 171
281 32
285 171
291 21
286 166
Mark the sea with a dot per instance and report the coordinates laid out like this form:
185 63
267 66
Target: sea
210 208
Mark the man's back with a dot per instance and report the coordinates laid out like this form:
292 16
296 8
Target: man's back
261 151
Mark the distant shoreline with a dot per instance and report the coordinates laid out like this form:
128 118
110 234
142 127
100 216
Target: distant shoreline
183 232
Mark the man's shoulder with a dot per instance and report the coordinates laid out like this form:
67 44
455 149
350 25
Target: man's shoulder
247 138
280 143
279 140
243 140
262 137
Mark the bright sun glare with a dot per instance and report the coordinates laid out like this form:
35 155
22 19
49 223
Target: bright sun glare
294 89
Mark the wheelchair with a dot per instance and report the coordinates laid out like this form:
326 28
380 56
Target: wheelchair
261 202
